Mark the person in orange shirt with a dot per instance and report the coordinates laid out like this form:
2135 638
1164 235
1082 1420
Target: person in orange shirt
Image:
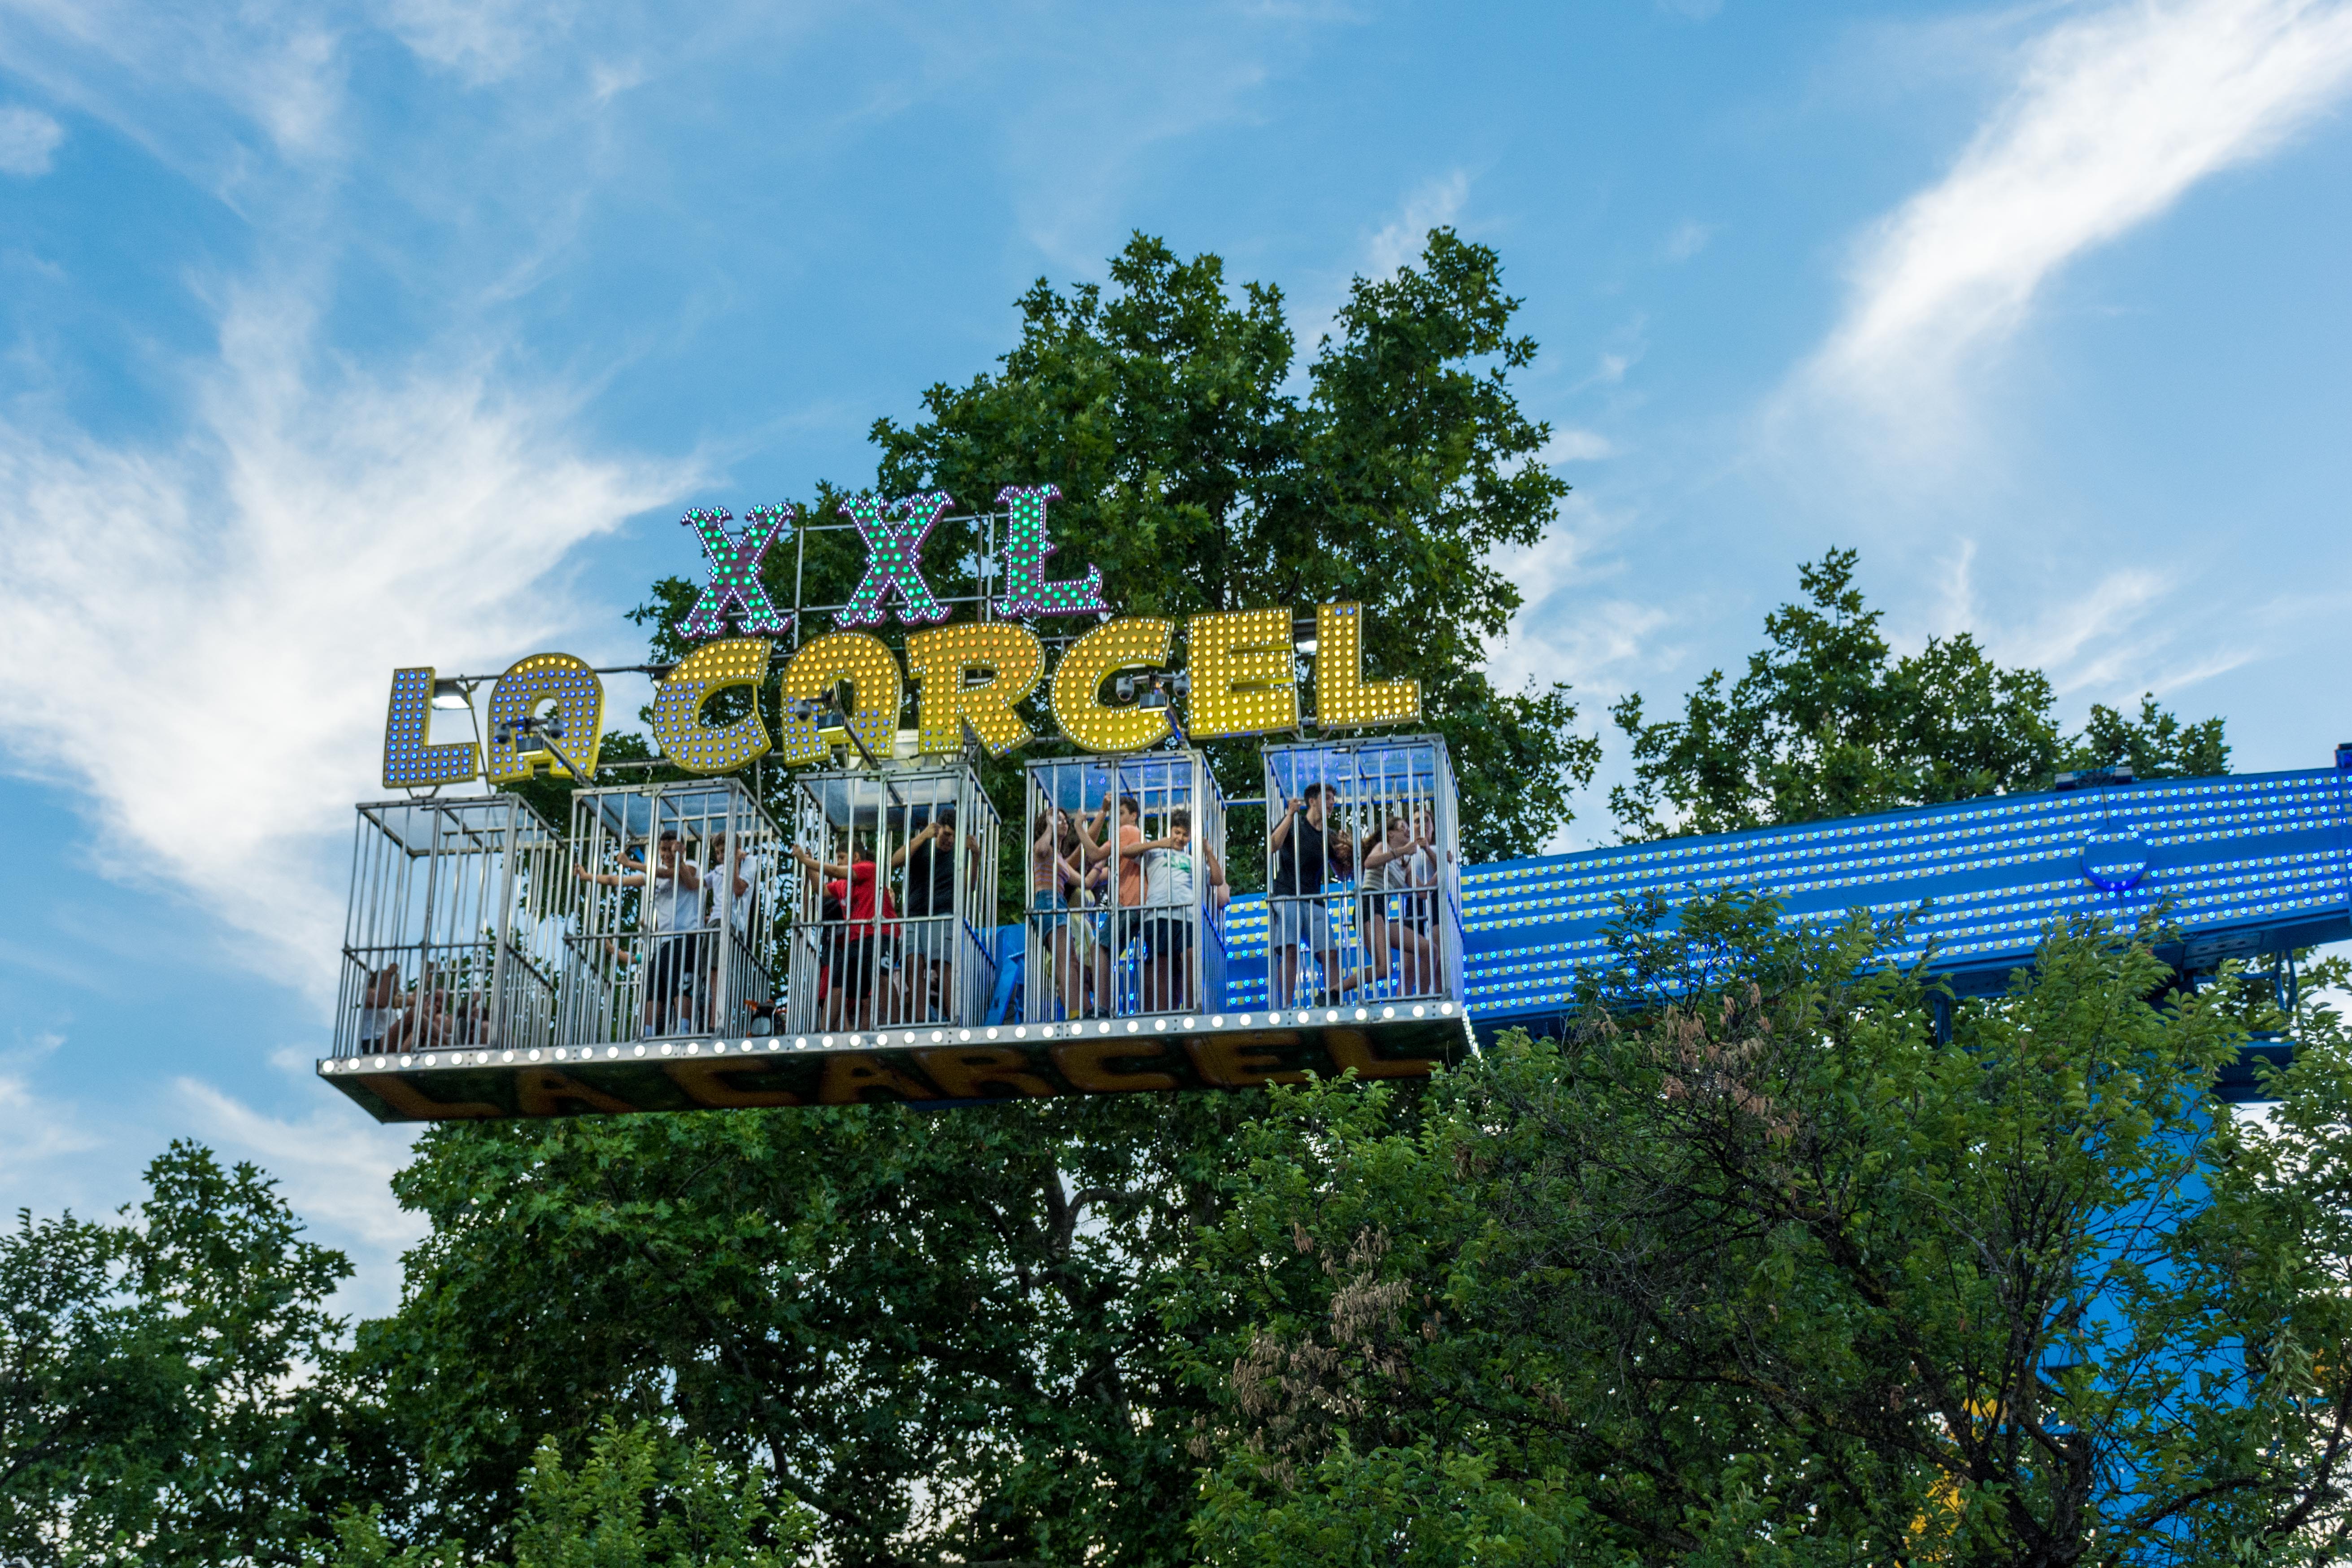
1124 850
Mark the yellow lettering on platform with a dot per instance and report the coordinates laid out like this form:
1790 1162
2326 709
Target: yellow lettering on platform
985 1074
848 1078
1243 1061
1087 1064
543 1092
707 1083
1136 642
414 1105
941 662
1353 1048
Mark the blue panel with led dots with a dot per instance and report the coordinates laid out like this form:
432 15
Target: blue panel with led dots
2248 865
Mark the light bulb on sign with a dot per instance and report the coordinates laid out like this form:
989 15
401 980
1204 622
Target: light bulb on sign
941 661
678 728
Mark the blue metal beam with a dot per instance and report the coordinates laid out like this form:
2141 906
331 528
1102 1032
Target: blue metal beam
2247 864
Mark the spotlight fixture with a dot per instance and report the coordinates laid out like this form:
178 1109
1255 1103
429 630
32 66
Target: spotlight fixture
448 694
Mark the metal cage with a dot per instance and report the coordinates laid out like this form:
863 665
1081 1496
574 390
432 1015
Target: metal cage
1124 866
453 935
1366 903
894 899
676 888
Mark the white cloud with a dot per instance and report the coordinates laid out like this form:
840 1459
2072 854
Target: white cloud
1575 447
1436 205
1106 92
279 66
2111 117
1689 238
334 1168
34 1131
196 633
28 140
480 40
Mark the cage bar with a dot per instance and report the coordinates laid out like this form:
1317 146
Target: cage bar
894 899
1363 872
1124 870
675 891
452 933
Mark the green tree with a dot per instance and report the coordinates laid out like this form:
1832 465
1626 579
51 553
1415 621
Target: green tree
637 1500
1827 722
1199 481
169 1388
1751 1267
942 1333
938 1333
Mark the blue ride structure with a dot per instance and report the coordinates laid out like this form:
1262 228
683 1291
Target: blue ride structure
2239 867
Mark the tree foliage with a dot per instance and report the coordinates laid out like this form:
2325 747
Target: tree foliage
938 1332
1827 722
1192 472
636 1499
1751 1267
160 1396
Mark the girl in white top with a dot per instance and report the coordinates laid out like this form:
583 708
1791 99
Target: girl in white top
673 905
1403 863
1171 898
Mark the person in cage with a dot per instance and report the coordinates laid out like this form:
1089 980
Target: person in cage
1172 902
672 912
928 949
380 1012
1056 884
1119 855
1397 909
861 955
1306 859
832 953
734 882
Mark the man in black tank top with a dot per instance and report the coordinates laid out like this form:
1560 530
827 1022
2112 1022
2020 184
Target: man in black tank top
929 943
1295 916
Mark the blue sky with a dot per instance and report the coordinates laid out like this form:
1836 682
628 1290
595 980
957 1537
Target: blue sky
335 337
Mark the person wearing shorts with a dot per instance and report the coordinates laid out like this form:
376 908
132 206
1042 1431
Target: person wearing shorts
930 946
1303 863
1401 880
735 881
858 951
672 912
1054 883
1119 854
1172 905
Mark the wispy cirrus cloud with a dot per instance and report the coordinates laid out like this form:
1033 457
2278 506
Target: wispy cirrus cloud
28 140
2111 118
195 630
1436 203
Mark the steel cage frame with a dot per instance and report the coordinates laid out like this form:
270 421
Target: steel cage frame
1106 932
853 969
452 932
656 956
1400 940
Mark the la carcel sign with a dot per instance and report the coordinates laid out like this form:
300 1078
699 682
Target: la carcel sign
547 711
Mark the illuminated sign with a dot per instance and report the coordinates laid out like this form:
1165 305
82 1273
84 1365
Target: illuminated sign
546 712
1026 592
735 586
894 559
